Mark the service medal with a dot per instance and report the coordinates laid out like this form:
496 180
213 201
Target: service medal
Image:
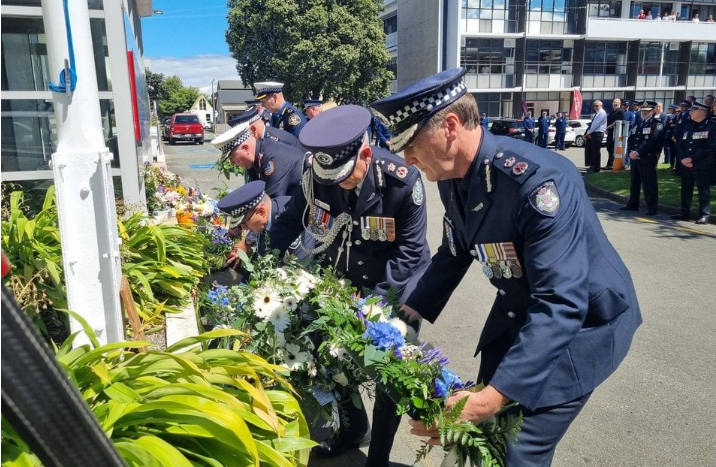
516 270
390 229
496 271
487 270
506 273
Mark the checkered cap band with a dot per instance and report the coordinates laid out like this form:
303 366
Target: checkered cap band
240 138
427 104
237 215
349 150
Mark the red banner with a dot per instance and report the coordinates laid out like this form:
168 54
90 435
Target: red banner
576 111
524 108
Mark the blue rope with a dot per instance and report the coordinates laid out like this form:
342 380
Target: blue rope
62 87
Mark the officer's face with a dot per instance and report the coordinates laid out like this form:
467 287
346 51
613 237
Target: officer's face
244 154
698 115
257 128
257 220
312 111
616 103
359 171
271 102
433 153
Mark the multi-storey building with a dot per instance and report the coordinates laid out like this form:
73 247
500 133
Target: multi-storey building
534 53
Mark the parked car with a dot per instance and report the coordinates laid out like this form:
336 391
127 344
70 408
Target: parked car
165 128
580 127
507 127
186 127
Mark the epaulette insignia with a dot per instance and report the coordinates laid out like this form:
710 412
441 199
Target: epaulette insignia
401 172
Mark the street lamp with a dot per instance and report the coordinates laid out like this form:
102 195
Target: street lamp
213 107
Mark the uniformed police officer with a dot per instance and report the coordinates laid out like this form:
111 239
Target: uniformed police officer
312 107
256 104
485 122
646 145
283 114
669 144
529 124
279 165
685 107
630 118
697 146
565 309
560 131
367 211
379 133
543 127
260 130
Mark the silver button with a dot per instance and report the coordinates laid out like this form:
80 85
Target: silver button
510 314
502 292
499 155
365 277
360 263
330 259
357 242
355 222
473 252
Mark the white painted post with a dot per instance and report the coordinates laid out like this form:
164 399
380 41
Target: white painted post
83 180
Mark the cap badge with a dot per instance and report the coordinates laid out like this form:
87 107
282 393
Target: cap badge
323 158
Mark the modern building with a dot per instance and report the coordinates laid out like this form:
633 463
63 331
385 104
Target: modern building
29 132
533 53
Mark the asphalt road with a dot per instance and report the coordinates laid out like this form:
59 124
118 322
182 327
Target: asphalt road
659 408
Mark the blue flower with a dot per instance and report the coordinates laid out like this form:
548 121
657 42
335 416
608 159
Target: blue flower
383 335
446 383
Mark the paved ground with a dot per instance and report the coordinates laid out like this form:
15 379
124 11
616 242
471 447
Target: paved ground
659 408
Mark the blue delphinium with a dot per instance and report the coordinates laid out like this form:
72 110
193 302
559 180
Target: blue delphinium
447 382
218 296
383 335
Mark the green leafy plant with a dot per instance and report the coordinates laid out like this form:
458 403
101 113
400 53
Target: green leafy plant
188 406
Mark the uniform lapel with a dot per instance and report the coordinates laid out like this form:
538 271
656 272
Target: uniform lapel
478 198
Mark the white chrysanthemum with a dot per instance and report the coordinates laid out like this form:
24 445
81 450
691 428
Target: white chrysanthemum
400 325
294 357
281 273
341 379
279 339
371 311
337 350
290 303
311 369
305 282
266 300
280 319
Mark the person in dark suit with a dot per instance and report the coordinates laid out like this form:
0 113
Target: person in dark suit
529 124
560 131
485 122
646 145
279 165
617 114
543 126
283 114
565 309
379 133
669 144
697 147
366 211
260 130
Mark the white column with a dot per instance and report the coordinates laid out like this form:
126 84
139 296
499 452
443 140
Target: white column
85 195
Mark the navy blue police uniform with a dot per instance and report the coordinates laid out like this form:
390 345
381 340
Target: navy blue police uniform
376 238
565 310
379 133
485 122
560 131
698 142
289 118
529 124
669 143
543 126
251 115
279 165
647 141
685 107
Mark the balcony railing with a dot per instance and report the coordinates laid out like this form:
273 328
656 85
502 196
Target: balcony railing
649 30
391 41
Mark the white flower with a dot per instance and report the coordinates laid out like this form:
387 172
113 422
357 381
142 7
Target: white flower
400 325
282 274
279 339
410 351
311 368
279 318
290 303
309 343
294 357
266 300
305 282
337 350
341 379
371 311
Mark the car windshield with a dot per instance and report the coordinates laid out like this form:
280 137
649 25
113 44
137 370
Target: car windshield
187 119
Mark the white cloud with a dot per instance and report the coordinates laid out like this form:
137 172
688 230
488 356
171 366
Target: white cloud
197 71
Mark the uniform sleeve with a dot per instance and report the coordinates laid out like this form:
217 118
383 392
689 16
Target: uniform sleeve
289 224
277 174
410 242
556 265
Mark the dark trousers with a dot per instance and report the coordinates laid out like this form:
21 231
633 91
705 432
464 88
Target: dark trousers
542 139
669 152
595 141
610 148
541 430
529 137
702 177
643 174
559 139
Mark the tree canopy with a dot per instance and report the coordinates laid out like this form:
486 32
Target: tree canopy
330 49
173 96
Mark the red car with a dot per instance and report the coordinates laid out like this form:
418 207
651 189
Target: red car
185 127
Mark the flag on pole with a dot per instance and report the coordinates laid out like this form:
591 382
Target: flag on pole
576 111
524 108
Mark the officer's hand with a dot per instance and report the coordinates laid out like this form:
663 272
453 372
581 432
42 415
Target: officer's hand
634 155
419 429
688 162
233 260
480 405
410 314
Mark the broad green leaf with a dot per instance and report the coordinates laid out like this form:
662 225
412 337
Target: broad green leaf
165 453
373 355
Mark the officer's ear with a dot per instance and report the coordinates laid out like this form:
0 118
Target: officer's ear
253 128
366 154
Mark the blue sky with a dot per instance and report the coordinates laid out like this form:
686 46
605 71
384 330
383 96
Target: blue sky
188 41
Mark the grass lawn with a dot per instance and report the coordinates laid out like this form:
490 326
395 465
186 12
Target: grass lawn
669 186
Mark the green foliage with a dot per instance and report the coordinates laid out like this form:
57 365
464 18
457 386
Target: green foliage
227 168
336 47
156 86
178 97
188 406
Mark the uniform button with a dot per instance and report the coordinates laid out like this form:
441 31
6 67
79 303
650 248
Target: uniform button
510 314
357 242
330 259
499 155
360 263
502 292
473 252
365 278
355 222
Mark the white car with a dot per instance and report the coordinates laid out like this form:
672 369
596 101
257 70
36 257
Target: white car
580 127
569 136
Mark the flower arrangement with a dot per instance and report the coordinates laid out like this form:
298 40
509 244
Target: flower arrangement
332 342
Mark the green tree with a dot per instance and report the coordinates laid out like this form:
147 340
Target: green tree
179 98
156 86
334 49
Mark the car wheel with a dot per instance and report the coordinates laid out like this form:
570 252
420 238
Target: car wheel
579 141
201 141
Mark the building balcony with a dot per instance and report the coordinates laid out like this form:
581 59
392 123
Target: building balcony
649 30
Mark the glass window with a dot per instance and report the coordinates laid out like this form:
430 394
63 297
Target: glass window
92 4
390 25
24 55
488 10
548 57
487 56
703 59
605 9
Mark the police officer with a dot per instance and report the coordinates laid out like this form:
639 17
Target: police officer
669 143
312 107
560 131
279 165
646 145
685 107
485 122
629 117
696 147
565 309
260 109
367 211
543 125
260 130
379 133
529 124
283 114
617 114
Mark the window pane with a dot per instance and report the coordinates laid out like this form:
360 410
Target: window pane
92 4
